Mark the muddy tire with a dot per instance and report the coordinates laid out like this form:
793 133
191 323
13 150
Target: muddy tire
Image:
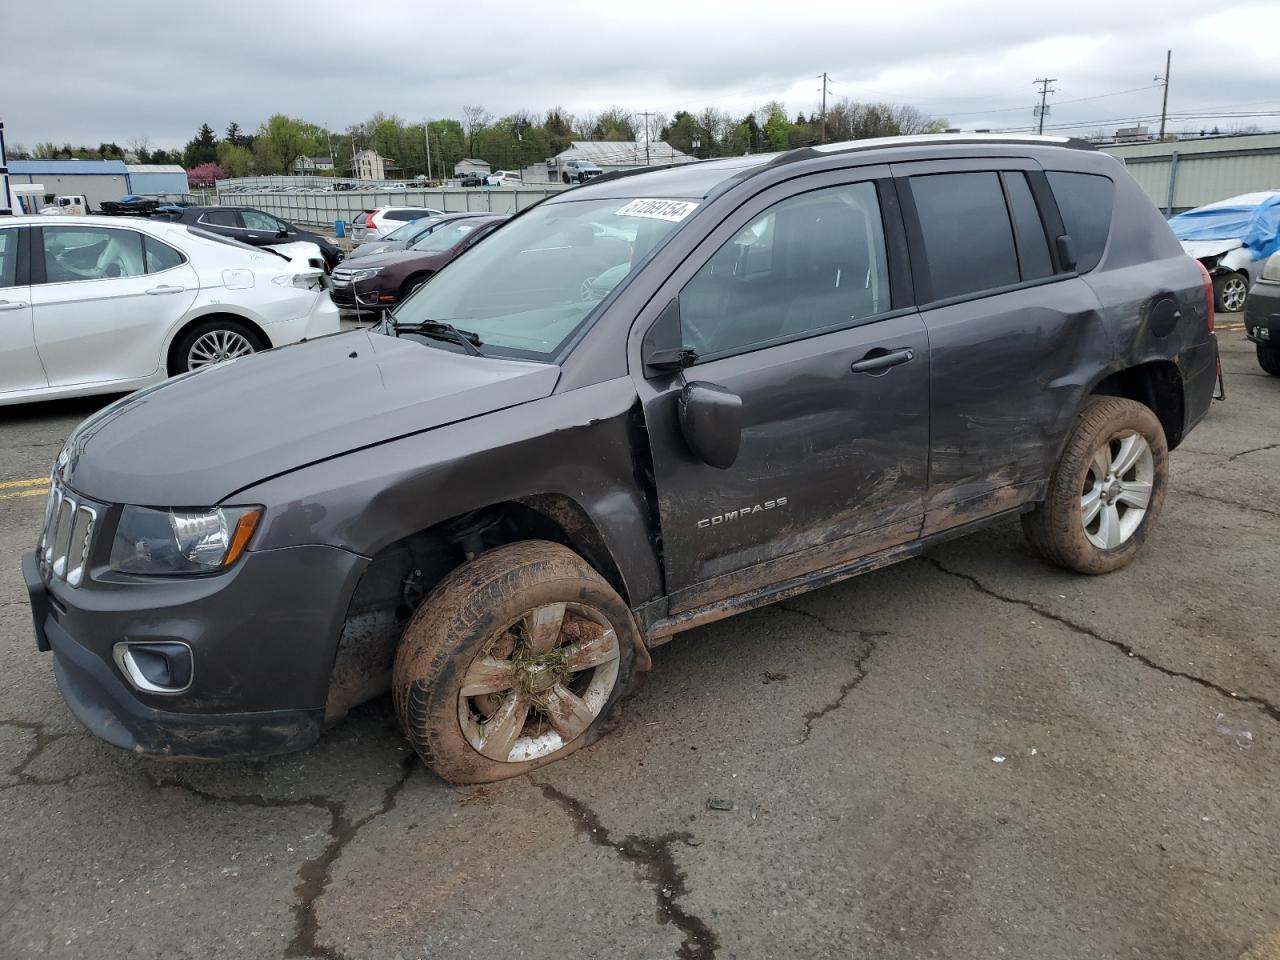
515 660
1107 490
1269 359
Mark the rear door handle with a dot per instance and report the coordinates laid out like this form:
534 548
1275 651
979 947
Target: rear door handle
881 359
11 304
163 289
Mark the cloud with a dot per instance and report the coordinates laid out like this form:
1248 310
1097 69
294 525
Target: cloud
87 73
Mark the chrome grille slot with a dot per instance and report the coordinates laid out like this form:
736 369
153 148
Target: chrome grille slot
67 537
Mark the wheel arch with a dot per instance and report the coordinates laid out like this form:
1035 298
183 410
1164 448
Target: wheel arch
403 573
1156 384
418 276
175 337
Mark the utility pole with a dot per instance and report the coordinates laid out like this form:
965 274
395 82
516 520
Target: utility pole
1045 90
826 80
1164 104
426 133
646 116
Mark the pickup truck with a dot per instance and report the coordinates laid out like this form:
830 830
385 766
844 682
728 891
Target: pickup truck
637 407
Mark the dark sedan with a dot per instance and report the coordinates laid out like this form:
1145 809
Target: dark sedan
256 228
381 281
406 236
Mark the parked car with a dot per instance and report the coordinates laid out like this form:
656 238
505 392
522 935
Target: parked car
104 306
405 236
383 221
130 205
505 178
256 228
572 171
473 179
495 503
1233 239
1262 316
380 281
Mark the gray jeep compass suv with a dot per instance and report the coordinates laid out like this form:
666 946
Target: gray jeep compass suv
642 405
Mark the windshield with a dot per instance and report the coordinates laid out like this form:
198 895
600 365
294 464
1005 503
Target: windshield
529 286
408 231
446 237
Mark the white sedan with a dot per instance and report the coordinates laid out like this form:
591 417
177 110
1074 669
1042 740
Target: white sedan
111 304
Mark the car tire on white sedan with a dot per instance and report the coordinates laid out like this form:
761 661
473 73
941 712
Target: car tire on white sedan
1230 292
213 341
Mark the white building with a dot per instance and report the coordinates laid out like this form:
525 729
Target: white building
610 155
468 165
370 166
313 165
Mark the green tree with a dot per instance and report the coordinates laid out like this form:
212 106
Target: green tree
615 124
281 140
233 135
235 159
202 148
777 128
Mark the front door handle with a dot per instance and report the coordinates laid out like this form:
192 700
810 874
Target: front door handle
11 304
881 359
163 289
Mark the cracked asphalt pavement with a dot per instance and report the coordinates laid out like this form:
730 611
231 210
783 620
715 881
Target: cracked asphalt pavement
971 754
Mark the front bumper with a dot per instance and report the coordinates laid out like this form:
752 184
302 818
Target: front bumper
354 296
1262 314
263 638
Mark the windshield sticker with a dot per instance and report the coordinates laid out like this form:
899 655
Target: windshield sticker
671 210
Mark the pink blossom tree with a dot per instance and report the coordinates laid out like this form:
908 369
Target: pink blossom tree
204 175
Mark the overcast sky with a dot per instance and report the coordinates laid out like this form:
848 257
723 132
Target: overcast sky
87 72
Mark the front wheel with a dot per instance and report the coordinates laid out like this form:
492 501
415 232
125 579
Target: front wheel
1269 359
1230 292
1106 491
515 660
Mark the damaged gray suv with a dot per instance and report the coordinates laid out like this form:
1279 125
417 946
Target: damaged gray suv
645 404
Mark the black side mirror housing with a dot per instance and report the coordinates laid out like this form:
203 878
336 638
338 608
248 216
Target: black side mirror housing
284 232
1066 252
711 421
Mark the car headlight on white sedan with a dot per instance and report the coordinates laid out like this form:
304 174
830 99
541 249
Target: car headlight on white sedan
1271 269
173 542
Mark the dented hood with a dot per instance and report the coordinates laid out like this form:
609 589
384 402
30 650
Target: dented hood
196 439
1210 248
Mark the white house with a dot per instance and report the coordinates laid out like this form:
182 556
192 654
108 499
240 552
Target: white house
370 166
313 165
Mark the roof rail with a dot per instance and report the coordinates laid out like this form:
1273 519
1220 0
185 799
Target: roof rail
913 140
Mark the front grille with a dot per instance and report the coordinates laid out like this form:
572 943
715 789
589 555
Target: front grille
67 537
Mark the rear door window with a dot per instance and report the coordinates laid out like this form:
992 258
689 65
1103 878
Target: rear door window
1028 228
966 233
91 253
1084 200
8 257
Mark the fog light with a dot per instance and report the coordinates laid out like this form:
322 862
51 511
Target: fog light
155 667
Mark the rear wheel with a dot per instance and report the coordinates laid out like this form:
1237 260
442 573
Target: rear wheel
515 660
213 341
1107 490
565 176
1230 292
1269 359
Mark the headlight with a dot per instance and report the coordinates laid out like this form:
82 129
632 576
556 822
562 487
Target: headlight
1271 269
163 542
355 276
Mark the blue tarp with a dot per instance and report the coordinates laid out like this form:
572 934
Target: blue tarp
1256 225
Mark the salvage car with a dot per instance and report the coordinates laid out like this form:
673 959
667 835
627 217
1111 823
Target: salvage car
496 503
105 306
1233 239
256 228
380 281
1262 316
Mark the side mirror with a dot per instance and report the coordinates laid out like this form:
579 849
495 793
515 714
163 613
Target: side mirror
711 421
283 232
1066 252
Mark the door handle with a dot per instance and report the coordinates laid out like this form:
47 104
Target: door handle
163 289
881 359
11 304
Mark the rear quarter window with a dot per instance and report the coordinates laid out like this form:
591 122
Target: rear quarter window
1085 201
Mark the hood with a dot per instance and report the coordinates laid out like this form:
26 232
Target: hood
196 439
399 258
1210 248
375 247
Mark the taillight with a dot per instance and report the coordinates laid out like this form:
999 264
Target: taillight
1207 282
368 222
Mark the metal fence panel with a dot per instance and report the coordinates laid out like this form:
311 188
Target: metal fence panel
323 209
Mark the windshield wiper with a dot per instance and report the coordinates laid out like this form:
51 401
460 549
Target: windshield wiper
438 329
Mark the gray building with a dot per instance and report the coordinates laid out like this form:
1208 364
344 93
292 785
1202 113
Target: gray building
1181 174
468 165
97 180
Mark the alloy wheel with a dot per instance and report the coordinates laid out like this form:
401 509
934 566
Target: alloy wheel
1234 292
1117 490
539 683
217 346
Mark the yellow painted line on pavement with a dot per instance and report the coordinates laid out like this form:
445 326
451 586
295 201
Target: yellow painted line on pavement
10 484
24 493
